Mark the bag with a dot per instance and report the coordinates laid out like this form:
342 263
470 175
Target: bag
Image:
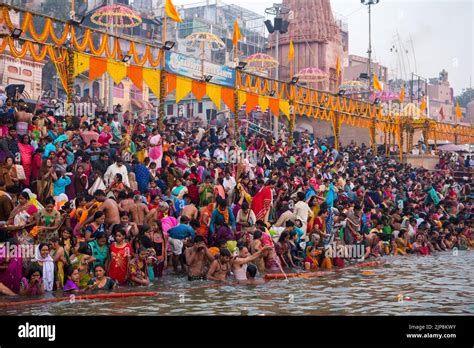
20 172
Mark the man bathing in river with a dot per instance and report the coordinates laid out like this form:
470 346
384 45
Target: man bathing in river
197 259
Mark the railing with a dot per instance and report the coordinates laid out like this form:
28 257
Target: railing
255 127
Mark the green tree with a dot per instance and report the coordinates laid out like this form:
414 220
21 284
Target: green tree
466 96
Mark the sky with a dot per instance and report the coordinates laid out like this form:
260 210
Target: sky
438 34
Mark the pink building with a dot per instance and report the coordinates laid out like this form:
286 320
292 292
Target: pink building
317 37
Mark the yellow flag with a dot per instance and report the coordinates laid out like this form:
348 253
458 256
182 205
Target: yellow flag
458 111
152 79
81 63
423 104
402 94
291 52
116 70
214 93
183 88
338 67
377 85
171 11
237 35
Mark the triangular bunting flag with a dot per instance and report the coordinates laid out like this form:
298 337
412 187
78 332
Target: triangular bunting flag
116 70
285 107
242 97
152 79
274 105
135 74
214 93
98 67
264 102
81 63
170 83
227 95
183 88
199 89
252 102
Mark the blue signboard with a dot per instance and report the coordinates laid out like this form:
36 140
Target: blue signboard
180 64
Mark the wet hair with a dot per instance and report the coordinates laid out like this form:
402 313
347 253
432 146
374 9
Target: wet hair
252 270
68 271
257 235
198 239
98 193
34 267
99 265
225 252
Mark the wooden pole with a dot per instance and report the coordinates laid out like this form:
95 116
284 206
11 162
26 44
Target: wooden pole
161 109
70 88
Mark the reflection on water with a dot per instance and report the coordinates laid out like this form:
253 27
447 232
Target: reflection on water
438 284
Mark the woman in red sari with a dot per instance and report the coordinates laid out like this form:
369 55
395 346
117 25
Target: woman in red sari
262 202
120 252
26 152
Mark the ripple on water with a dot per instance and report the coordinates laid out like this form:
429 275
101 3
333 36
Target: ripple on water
437 284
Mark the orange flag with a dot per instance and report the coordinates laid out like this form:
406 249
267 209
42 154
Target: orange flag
172 12
237 36
98 67
402 94
135 74
291 52
376 83
423 104
458 111
338 67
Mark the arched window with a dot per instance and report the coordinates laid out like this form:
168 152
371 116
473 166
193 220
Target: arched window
118 90
135 93
77 89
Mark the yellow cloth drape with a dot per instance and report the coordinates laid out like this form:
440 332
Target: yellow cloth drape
152 79
81 63
264 102
214 93
242 98
183 87
285 107
116 70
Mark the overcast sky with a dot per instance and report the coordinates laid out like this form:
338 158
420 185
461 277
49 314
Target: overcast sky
442 32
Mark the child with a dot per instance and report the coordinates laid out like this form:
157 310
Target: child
138 268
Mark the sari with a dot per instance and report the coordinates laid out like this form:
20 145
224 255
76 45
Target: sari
26 153
262 203
11 277
45 188
156 150
84 275
119 262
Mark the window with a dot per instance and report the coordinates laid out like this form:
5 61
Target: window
118 90
27 72
169 110
13 70
95 89
200 108
135 93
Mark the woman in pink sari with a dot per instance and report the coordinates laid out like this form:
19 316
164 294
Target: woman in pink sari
156 149
26 152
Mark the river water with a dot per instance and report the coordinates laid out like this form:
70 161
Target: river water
439 284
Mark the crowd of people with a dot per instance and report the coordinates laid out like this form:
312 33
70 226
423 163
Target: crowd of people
108 201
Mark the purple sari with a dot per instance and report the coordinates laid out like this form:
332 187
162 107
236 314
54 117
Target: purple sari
11 277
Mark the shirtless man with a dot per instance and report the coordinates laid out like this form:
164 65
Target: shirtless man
256 246
220 268
196 259
157 213
125 201
251 280
109 207
240 262
139 211
189 210
23 120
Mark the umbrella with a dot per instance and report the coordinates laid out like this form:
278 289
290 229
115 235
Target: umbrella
312 75
204 40
118 16
261 62
384 96
455 148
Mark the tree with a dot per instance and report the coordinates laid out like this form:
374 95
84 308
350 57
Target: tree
466 96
